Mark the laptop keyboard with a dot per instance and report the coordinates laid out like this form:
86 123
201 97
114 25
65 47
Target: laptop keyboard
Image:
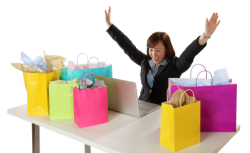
143 109
140 108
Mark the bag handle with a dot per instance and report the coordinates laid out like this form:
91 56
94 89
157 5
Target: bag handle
206 72
183 94
89 60
94 77
193 67
57 65
89 73
169 87
79 55
68 70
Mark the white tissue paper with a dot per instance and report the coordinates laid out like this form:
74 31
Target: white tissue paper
220 77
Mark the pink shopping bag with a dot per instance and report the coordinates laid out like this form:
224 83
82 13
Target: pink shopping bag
218 106
90 105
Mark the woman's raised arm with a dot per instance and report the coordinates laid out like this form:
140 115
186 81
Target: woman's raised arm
187 57
107 17
124 42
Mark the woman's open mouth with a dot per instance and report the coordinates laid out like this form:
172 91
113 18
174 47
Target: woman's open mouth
156 59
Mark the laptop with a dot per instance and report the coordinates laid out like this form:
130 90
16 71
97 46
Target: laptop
122 97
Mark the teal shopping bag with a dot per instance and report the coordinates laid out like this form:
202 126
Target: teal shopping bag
102 71
61 100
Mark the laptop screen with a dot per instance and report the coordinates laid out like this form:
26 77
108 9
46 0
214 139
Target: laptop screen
122 95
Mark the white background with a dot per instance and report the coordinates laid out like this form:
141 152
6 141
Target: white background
68 28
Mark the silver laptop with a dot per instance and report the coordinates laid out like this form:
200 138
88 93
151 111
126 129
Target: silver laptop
122 97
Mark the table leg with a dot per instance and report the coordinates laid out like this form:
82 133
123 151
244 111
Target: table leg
35 139
87 149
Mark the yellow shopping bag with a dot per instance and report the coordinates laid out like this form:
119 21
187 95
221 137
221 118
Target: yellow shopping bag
180 127
37 86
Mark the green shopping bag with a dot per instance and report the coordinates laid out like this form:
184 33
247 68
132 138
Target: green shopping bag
61 100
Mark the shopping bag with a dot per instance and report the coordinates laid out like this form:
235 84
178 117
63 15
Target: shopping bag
220 77
37 86
90 105
218 105
102 71
180 127
61 100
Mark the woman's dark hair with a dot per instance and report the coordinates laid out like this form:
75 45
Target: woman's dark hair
161 36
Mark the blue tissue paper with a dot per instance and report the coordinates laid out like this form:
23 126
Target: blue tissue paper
38 61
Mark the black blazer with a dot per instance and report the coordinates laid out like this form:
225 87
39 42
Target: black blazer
173 69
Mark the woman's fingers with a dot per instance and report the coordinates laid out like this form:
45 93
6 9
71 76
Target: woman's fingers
107 16
107 13
109 10
218 23
211 17
216 17
206 23
215 20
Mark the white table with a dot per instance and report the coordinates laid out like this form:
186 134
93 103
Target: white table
122 134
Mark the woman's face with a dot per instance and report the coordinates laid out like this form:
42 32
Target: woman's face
158 53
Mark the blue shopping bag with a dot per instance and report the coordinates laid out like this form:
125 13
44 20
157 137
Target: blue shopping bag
102 71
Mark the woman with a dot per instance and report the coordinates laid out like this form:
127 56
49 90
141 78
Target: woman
160 63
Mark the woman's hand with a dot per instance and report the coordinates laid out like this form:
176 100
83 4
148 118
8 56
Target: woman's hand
211 25
107 15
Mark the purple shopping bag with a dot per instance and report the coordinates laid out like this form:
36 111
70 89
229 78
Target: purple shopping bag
90 105
218 106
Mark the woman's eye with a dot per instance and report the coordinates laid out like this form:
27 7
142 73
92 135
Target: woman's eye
155 50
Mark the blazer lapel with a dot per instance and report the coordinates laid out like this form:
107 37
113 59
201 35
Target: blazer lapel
163 67
160 70
145 72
